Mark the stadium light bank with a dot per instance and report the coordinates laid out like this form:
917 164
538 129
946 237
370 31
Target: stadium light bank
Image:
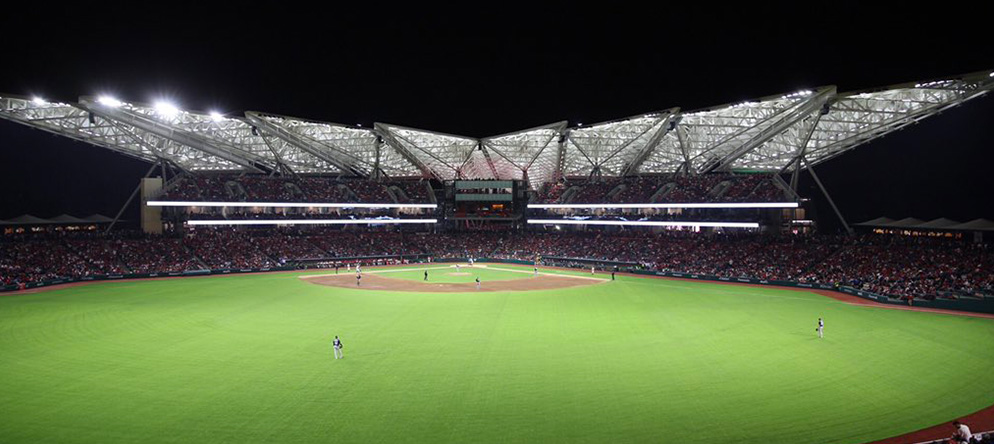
312 222
165 203
668 205
649 223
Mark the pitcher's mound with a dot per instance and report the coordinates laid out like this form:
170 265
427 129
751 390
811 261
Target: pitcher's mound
374 282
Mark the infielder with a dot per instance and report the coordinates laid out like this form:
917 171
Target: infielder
536 271
477 282
457 268
821 328
337 343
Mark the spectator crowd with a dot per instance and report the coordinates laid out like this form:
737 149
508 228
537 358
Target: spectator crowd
717 187
910 267
249 188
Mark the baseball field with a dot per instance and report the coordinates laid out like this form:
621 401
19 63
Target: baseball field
571 358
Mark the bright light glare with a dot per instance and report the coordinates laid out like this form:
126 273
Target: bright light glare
216 116
671 205
650 223
164 203
312 222
38 101
166 109
109 101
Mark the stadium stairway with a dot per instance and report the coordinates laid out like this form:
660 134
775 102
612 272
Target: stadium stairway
203 265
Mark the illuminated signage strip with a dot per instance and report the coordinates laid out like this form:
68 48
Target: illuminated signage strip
672 205
313 222
648 223
163 203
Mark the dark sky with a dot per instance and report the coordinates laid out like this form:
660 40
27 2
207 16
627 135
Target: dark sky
481 72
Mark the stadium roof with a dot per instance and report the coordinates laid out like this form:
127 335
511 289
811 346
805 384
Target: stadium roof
62 219
975 225
778 133
940 224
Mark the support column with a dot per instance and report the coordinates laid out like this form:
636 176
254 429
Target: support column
131 198
151 217
829 197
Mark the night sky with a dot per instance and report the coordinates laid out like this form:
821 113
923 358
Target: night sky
482 72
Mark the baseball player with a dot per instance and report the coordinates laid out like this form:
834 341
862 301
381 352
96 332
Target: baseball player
477 282
337 343
821 328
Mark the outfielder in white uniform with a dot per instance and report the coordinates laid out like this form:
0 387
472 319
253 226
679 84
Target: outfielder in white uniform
821 328
457 268
337 343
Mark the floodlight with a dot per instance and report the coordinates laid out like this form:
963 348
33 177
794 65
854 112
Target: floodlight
38 101
166 109
109 101
216 116
641 223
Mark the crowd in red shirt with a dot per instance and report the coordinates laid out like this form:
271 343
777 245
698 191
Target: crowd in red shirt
892 265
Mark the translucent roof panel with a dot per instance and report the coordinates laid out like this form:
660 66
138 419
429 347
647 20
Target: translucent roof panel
236 136
477 166
857 118
535 151
609 146
780 148
355 148
666 157
719 135
442 154
769 134
78 123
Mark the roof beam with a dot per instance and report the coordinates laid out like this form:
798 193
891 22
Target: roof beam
881 129
651 145
182 137
302 143
383 131
685 147
797 113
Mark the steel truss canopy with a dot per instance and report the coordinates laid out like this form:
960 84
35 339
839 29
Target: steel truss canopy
779 133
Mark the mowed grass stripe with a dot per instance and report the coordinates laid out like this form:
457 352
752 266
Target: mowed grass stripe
248 359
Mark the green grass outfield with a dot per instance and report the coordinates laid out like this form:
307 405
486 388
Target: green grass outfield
444 273
248 359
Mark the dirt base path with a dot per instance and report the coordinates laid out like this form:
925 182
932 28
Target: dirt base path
372 281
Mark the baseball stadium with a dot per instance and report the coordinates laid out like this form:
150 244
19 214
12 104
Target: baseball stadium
294 280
